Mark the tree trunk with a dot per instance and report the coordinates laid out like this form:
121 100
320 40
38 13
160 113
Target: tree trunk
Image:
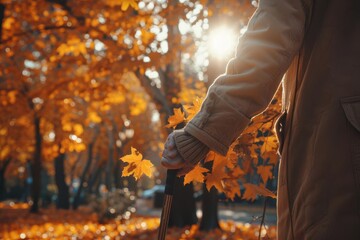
2 14
210 219
2 178
36 168
95 175
110 163
183 209
83 175
63 201
117 171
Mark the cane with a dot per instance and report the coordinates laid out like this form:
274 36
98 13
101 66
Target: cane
169 192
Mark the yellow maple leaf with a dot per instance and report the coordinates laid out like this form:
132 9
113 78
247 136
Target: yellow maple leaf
196 174
265 172
134 157
252 190
137 166
175 119
143 167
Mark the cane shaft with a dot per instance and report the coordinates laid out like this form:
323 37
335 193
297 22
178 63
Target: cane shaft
164 221
169 191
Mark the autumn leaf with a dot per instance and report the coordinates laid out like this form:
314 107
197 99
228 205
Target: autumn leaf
265 172
193 109
137 166
252 190
272 157
214 179
196 174
210 156
237 172
134 157
143 167
232 188
175 119
270 144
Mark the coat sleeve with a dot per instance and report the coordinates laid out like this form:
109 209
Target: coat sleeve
265 51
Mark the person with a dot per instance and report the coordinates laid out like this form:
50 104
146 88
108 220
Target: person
317 44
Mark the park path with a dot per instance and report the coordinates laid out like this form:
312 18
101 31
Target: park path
227 211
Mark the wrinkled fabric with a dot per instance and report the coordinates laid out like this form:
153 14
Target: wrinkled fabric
317 44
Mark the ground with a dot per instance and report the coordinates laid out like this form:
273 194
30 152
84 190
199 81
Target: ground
17 223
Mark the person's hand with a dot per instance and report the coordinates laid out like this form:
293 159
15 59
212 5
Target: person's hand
183 151
171 157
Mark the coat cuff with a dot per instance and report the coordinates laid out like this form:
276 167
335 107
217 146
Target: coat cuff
217 124
190 148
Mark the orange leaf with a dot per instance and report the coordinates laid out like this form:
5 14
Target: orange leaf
193 109
252 190
175 119
270 144
237 172
232 188
210 156
196 174
265 172
214 179
272 156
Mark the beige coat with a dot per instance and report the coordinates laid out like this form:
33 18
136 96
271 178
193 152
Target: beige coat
318 44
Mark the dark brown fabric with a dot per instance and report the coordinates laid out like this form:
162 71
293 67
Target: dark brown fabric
320 162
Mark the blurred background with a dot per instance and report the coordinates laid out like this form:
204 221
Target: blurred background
83 81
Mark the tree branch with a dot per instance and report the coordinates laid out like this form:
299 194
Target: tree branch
5 164
154 92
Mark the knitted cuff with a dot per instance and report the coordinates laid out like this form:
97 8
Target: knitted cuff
189 147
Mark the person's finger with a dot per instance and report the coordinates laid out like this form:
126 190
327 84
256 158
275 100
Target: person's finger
176 163
170 154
